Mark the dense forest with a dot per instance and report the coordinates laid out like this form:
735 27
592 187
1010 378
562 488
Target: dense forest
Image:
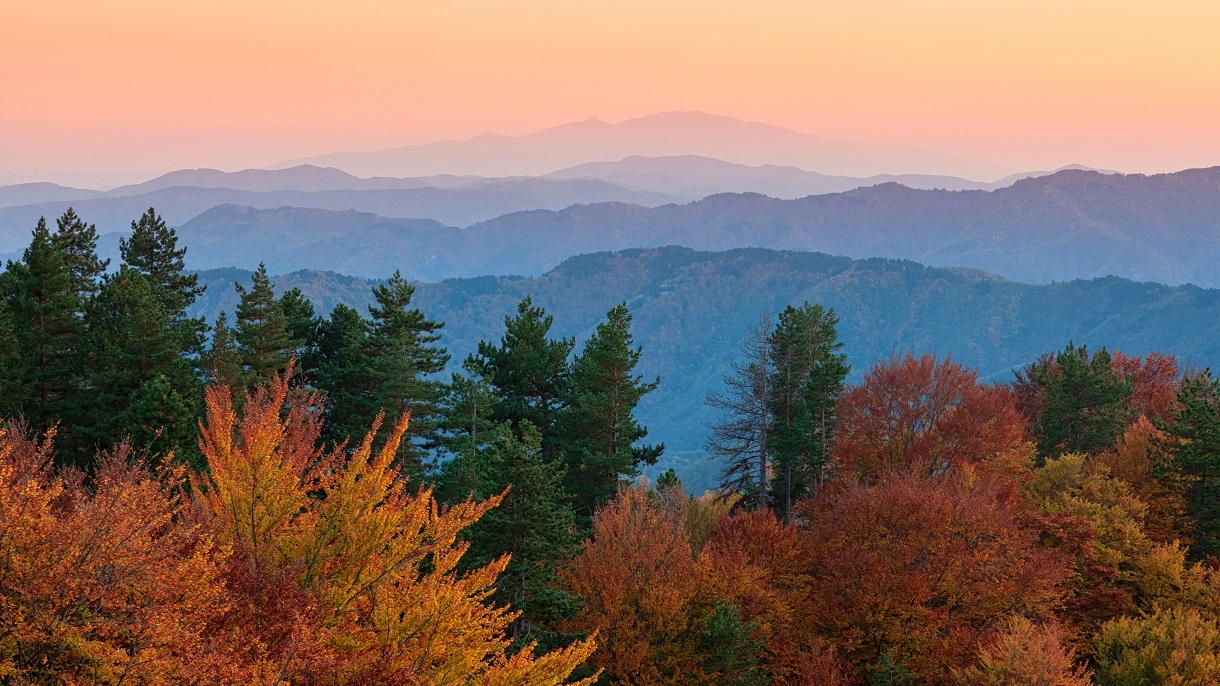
276 496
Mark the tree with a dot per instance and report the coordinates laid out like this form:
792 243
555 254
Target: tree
921 568
1174 645
263 341
222 363
805 386
1194 451
152 249
528 371
1155 380
43 382
403 350
78 243
639 583
1026 653
918 413
533 525
345 374
302 325
739 437
141 387
1083 402
598 427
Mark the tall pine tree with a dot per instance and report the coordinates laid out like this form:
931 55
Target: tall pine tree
78 243
738 438
345 375
598 426
152 249
263 341
222 363
1083 402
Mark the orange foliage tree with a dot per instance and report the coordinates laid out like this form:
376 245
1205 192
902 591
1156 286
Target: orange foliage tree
917 413
921 568
286 565
1026 653
1155 381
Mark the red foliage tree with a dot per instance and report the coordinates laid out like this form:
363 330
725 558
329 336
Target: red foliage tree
917 413
1155 380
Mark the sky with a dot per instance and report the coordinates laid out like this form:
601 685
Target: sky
92 91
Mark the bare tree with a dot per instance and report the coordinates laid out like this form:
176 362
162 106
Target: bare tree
739 437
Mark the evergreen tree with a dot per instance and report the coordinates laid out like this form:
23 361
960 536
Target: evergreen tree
403 351
42 381
303 325
152 249
345 374
739 437
598 429
1083 402
263 342
1194 449
222 363
140 385
729 651
466 415
78 243
807 379
533 523
528 371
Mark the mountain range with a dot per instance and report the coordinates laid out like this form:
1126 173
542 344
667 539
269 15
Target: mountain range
1071 224
658 135
691 310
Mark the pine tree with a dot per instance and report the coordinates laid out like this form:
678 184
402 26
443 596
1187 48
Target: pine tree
263 342
739 437
533 523
42 382
78 243
807 380
1083 402
140 385
346 376
403 350
528 371
466 421
597 426
303 325
152 249
1194 450
222 363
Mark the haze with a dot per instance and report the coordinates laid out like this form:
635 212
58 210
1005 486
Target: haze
100 93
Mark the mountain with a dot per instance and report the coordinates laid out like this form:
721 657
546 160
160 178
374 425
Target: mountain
29 193
692 308
657 135
694 177
1071 224
465 203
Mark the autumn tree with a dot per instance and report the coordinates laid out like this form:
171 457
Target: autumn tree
738 438
806 381
918 413
1173 645
921 568
600 434
1155 380
1026 653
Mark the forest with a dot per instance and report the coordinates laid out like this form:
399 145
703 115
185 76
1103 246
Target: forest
274 496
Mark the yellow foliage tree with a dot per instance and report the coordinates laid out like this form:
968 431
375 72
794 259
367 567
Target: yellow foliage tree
1175 645
1026 654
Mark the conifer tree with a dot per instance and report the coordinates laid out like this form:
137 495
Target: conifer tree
43 379
806 382
404 354
152 249
598 428
528 371
345 375
78 243
1083 402
140 385
222 363
303 325
533 523
1194 448
467 410
263 342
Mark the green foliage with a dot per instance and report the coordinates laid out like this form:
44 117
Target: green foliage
728 649
807 378
43 379
302 326
534 522
152 250
889 671
597 427
222 363
1083 402
78 243
263 341
1195 456
667 481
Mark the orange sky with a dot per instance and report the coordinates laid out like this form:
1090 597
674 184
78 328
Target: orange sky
146 86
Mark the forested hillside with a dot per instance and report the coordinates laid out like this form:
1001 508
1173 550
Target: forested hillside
690 309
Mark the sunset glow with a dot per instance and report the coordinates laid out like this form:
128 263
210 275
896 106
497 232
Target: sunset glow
144 87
